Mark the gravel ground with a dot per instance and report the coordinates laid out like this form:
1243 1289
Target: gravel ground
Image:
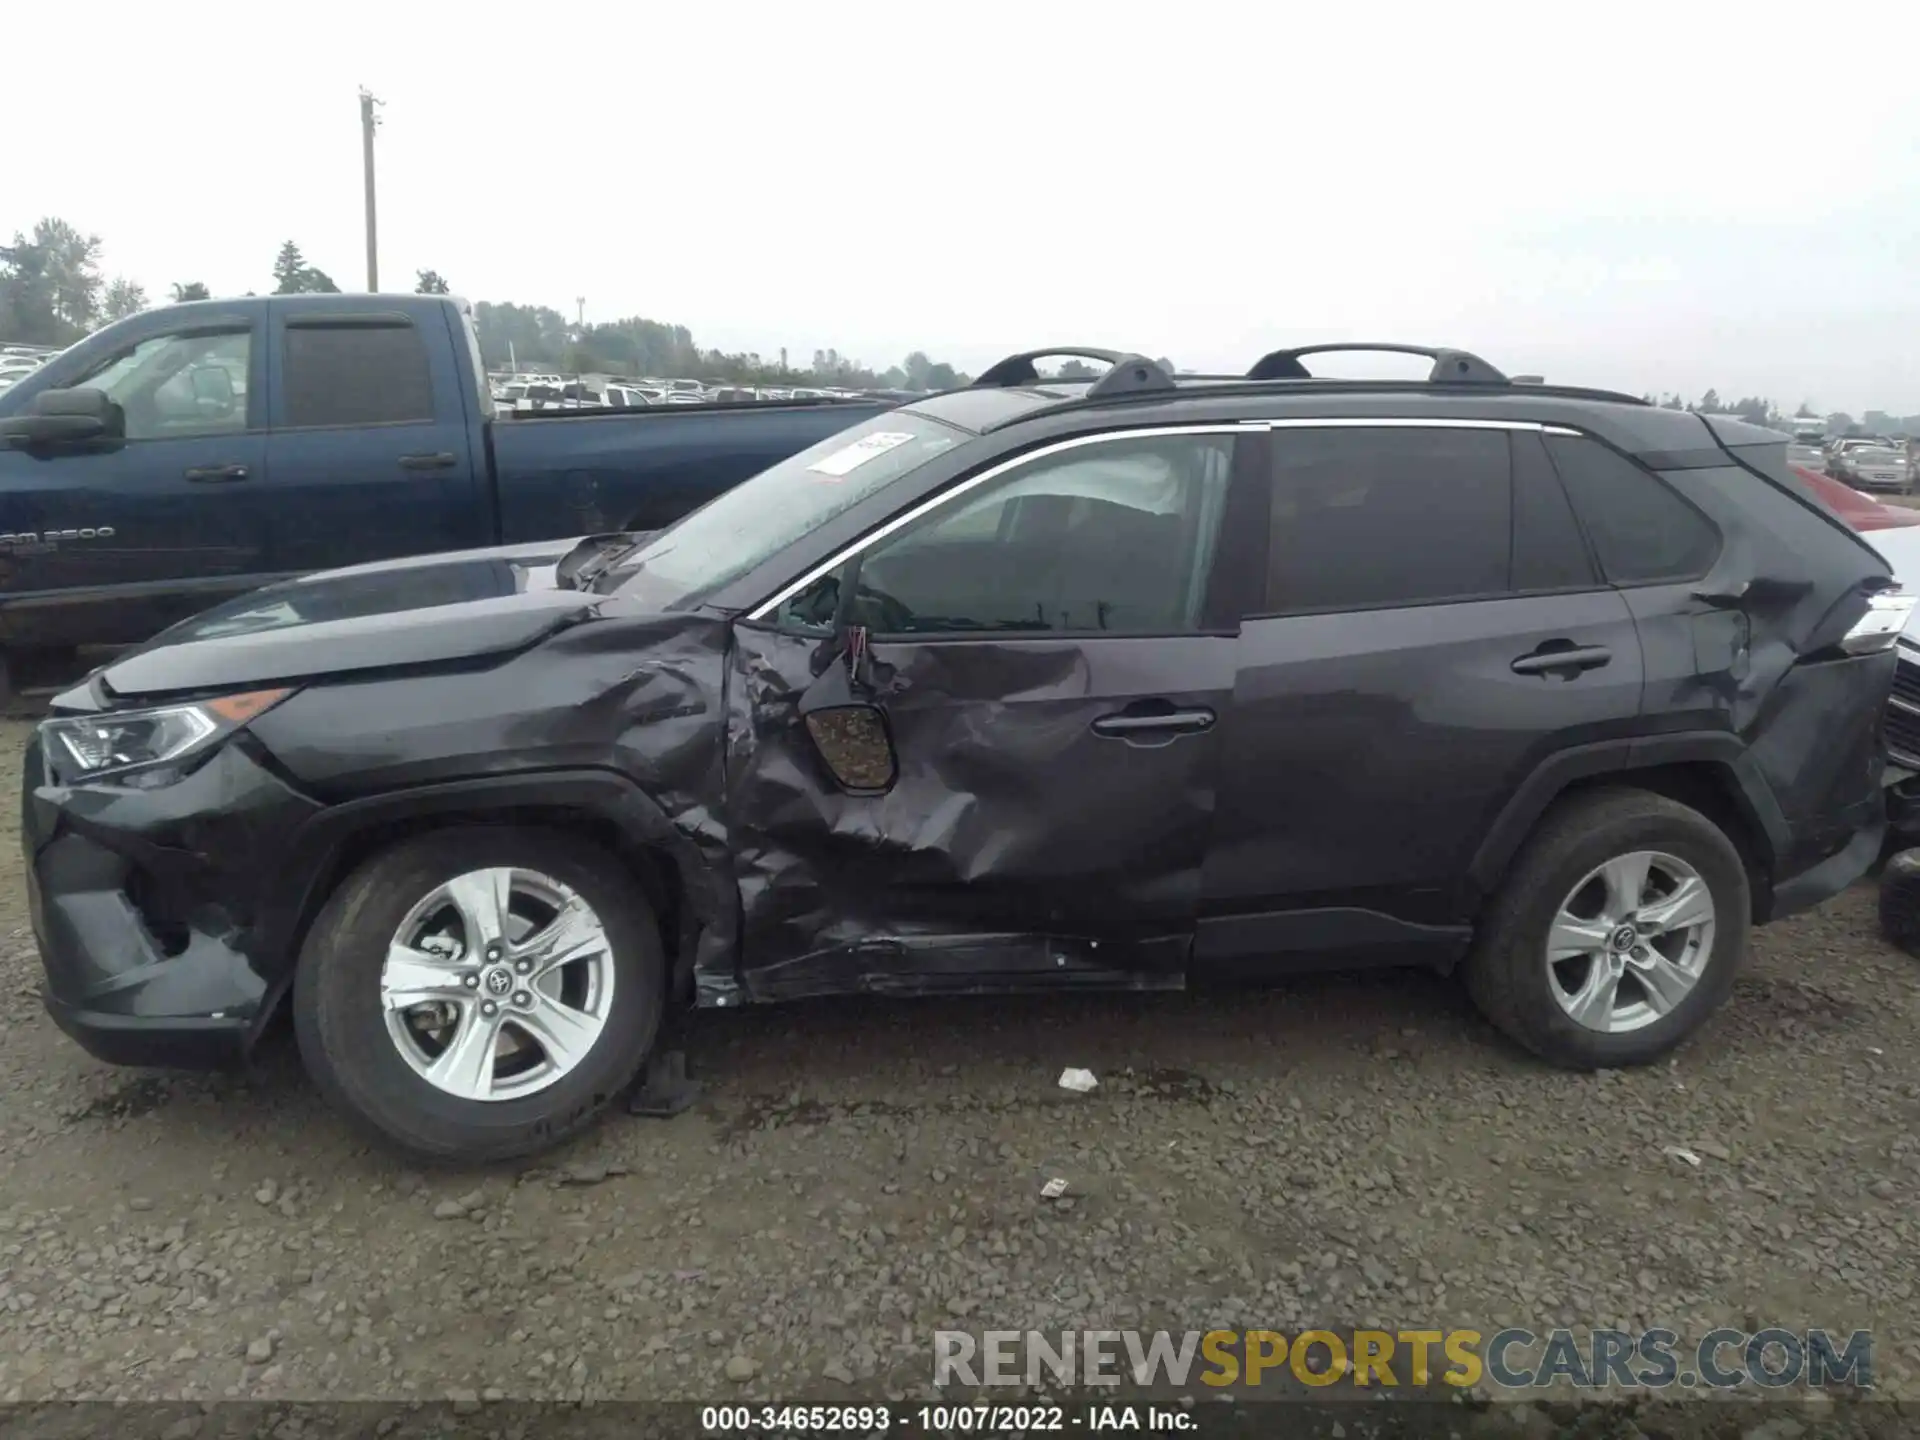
1336 1152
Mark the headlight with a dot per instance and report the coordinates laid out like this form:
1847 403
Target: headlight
95 747
1879 629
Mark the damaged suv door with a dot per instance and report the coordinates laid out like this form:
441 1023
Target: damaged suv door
981 748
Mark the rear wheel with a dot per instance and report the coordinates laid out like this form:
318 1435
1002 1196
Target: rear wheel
1618 931
473 995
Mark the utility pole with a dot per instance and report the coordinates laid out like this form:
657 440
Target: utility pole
368 122
581 319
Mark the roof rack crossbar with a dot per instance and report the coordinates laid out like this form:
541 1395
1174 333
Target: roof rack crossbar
1020 369
1450 367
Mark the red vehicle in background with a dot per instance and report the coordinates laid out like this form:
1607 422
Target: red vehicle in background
1861 511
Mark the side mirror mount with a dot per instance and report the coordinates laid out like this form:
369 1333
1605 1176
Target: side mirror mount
65 417
847 729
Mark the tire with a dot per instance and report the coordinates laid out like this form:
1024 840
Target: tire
349 1044
1900 902
1507 970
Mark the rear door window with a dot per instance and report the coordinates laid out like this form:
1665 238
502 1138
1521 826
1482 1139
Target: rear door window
1366 517
1549 552
355 374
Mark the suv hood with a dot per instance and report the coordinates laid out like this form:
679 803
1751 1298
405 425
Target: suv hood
424 610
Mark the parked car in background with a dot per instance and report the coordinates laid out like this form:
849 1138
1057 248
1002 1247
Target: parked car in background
1878 467
1809 456
1901 548
191 453
1031 686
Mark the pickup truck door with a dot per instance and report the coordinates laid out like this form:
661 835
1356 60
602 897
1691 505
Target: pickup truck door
105 542
371 447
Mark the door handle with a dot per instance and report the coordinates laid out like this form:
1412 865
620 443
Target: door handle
434 460
1563 658
216 474
1127 723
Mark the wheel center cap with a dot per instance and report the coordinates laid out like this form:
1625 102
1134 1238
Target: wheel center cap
1624 938
498 980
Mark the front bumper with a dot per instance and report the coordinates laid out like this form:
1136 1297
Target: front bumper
178 1042
152 907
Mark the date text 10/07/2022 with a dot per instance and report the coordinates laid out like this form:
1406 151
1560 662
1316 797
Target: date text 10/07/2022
943 1419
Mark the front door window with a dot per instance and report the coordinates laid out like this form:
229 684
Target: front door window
1111 538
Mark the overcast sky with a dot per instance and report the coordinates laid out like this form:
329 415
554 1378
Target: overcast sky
1662 198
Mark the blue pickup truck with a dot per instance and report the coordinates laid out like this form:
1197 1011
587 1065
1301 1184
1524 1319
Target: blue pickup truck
191 453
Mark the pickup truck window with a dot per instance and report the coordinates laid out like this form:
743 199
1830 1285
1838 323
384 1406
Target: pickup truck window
176 385
356 374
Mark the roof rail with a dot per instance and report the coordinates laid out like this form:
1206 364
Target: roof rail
1455 367
1020 369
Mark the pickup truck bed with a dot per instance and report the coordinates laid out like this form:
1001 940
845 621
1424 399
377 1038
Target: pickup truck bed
244 441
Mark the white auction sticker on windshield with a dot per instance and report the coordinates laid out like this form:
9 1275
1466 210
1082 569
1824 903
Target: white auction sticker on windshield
848 458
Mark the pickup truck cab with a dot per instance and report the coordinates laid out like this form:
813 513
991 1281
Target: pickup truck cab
192 453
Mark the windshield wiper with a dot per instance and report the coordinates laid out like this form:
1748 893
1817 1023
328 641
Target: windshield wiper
594 556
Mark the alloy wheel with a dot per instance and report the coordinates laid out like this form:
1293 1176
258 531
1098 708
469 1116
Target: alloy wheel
1630 942
497 984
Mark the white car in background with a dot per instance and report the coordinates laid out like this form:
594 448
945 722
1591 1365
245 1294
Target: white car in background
1902 725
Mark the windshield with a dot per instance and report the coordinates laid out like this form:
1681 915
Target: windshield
758 518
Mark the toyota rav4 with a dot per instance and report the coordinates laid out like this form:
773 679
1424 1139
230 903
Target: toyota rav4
1032 685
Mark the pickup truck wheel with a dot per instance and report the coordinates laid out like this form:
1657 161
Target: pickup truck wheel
477 994
1619 929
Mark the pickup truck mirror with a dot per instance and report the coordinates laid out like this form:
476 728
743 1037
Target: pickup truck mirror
65 417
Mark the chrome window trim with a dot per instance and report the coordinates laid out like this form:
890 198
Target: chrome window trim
1334 422
1405 422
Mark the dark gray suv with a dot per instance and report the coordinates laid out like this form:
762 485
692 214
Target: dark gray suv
1033 685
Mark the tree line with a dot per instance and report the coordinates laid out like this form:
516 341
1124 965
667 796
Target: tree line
1762 411
52 292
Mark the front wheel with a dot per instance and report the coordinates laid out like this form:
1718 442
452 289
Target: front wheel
473 995
1618 932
